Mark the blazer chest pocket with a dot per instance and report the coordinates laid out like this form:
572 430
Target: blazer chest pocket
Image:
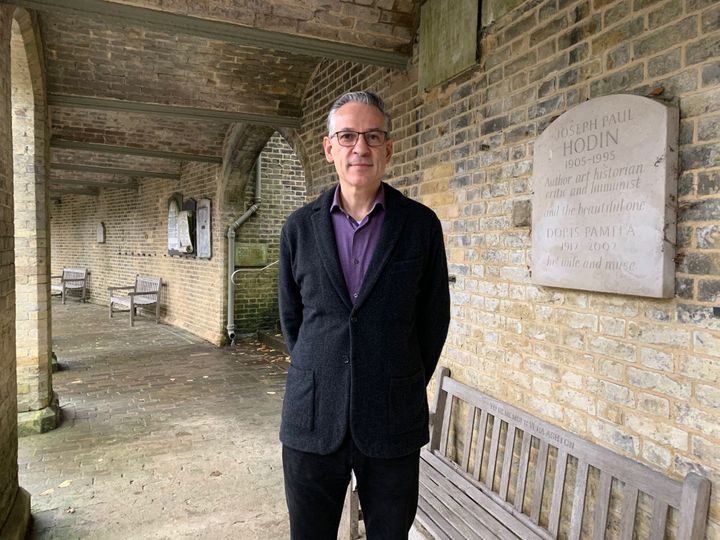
408 403
406 266
299 401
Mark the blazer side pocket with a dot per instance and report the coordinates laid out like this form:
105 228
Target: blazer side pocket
408 403
299 401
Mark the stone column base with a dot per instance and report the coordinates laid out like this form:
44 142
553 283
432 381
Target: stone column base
16 525
34 422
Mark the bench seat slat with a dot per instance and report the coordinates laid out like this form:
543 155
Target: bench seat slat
439 517
505 513
432 521
450 502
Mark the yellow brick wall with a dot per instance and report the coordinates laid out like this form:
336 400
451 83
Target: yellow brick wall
194 294
641 376
136 243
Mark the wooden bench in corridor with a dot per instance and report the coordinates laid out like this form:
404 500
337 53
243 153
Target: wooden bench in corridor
494 471
145 292
72 279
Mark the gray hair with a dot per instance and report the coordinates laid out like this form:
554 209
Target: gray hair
366 98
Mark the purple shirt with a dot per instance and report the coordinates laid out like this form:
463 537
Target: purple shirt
355 241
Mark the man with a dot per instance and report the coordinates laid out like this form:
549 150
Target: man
364 308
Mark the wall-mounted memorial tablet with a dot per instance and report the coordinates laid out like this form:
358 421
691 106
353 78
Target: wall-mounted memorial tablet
604 198
202 230
174 209
186 226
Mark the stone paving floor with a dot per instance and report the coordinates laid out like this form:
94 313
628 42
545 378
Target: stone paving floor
163 435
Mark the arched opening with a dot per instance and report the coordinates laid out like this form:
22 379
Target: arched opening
257 246
37 408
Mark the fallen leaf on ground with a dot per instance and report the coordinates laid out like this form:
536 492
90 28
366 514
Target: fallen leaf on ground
216 473
65 484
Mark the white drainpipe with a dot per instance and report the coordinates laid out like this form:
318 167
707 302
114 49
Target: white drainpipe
231 252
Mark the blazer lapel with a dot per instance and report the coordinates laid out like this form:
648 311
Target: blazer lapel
327 248
392 230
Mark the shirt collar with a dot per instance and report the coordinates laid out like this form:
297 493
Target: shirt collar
379 201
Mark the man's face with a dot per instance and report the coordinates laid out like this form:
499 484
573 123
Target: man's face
360 166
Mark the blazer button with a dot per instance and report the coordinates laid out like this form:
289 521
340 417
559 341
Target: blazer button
346 360
353 319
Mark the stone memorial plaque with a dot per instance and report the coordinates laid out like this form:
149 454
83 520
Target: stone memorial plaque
184 233
604 198
202 230
251 255
173 238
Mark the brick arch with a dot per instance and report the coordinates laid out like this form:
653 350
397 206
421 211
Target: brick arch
243 144
30 132
296 142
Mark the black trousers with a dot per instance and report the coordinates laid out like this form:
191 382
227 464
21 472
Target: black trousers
315 488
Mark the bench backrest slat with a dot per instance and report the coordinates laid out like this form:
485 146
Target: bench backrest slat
446 424
494 448
521 484
522 450
507 462
480 443
557 493
578 506
629 508
602 506
539 482
469 425
659 520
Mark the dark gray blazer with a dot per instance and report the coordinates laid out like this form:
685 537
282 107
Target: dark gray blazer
363 367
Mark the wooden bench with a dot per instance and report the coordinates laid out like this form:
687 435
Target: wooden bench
72 279
145 292
494 471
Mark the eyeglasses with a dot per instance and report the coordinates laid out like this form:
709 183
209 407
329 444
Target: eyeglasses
374 137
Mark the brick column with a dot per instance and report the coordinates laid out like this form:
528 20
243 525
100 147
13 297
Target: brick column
14 502
37 407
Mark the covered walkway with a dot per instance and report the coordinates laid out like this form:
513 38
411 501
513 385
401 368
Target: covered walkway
163 435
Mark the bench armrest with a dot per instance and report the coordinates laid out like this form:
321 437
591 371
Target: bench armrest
121 288
145 293
72 280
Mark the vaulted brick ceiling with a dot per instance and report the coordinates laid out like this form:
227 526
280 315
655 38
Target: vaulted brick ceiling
151 78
